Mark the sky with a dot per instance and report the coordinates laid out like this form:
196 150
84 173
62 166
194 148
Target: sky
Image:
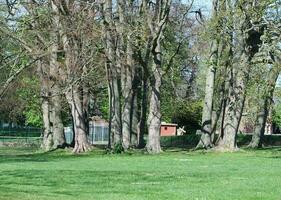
205 5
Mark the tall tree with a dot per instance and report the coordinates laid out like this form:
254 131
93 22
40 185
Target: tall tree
156 24
206 130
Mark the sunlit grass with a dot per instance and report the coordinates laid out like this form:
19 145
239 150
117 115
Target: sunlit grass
30 174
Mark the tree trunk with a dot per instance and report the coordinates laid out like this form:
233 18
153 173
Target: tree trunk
55 92
156 23
134 121
47 133
116 125
58 128
154 116
206 129
129 71
234 106
113 78
206 141
126 119
238 76
143 116
43 72
258 134
74 98
53 136
257 138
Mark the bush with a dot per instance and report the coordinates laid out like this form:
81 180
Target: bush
188 114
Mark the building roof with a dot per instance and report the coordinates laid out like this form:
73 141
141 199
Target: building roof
168 124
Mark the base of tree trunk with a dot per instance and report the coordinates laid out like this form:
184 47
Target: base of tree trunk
204 143
47 143
60 146
203 146
82 147
153 149
254 145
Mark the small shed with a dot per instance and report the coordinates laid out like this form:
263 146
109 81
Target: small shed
168 129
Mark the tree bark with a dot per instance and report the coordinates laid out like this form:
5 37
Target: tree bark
55 89
206 140
235 104
142 126
43 72
134 121
262 115
56 95
206 129
128 93
237 78
244 51
76 90
113 78
154 116
75 99
156 24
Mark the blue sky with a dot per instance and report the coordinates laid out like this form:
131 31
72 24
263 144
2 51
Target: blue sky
205 5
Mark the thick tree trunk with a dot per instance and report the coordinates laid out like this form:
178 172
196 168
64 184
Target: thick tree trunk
53 136
113 72
260 123
55 92
154 116
206 140
126 120
257 138
58 128
206 129
47 133
154 119
234 106
74 97
238 76
116 125
128 92
156 23
43 72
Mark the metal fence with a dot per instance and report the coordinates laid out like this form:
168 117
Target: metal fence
15 135
98 134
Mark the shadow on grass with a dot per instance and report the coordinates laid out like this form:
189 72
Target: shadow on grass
266 148
9 155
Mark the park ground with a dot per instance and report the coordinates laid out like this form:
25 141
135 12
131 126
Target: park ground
28 174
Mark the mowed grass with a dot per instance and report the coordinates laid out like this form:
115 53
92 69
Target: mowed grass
31 174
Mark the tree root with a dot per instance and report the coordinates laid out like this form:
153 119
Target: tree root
81 148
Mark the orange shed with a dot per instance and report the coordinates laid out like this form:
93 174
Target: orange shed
168 129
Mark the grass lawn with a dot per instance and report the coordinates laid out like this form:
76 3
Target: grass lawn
29 174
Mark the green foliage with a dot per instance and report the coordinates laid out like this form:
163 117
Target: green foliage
28 93
118 148
21 104
188 113
276 115
33 118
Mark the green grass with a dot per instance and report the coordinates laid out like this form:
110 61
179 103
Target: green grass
30 174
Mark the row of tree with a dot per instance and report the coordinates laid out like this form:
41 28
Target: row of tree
245 46
76 44
140 50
